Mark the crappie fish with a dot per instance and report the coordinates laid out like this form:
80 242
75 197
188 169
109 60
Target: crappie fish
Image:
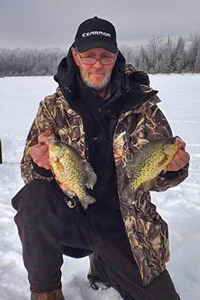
150 161
71 171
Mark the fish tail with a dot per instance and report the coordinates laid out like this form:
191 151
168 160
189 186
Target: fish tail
86 200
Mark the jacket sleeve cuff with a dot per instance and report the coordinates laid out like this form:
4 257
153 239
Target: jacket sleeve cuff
170 179
41 171
169 175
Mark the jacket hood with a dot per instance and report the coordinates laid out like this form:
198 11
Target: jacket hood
133 84
67 72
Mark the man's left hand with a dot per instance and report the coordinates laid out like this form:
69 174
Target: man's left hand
181 158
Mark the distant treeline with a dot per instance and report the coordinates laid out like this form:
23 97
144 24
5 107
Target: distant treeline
166 56
157 56
29 62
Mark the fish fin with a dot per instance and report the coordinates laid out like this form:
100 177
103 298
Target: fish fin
85 201
59 165
148 185
89 175
128 195
52 170
67 192
130 169
163 161
164 171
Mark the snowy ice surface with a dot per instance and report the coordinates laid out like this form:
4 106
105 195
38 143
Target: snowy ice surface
180 206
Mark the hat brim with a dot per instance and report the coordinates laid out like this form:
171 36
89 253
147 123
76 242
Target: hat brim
96 44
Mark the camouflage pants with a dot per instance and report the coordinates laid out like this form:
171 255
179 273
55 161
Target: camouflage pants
48 229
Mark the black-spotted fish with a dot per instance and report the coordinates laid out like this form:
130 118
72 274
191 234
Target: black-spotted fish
150 161
71 171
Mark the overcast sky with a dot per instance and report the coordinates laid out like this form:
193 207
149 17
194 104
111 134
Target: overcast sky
53 23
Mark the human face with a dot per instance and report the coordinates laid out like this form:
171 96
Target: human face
96 75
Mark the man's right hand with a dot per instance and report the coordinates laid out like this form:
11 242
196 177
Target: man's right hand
40 152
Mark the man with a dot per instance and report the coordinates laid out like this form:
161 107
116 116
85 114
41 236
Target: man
107 112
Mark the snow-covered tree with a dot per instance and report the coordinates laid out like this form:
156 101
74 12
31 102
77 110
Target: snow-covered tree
180 59
128 53
143 60
197 62
153 52
194 40
166 58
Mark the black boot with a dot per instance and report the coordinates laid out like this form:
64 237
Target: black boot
97 276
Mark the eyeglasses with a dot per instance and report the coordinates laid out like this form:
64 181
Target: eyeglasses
92 60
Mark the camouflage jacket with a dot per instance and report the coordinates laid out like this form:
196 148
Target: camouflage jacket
146 230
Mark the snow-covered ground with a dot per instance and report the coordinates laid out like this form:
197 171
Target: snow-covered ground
180 206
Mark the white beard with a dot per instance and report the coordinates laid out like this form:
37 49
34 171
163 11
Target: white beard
93 85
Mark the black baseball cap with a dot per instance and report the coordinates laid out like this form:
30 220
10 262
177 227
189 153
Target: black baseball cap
96 32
